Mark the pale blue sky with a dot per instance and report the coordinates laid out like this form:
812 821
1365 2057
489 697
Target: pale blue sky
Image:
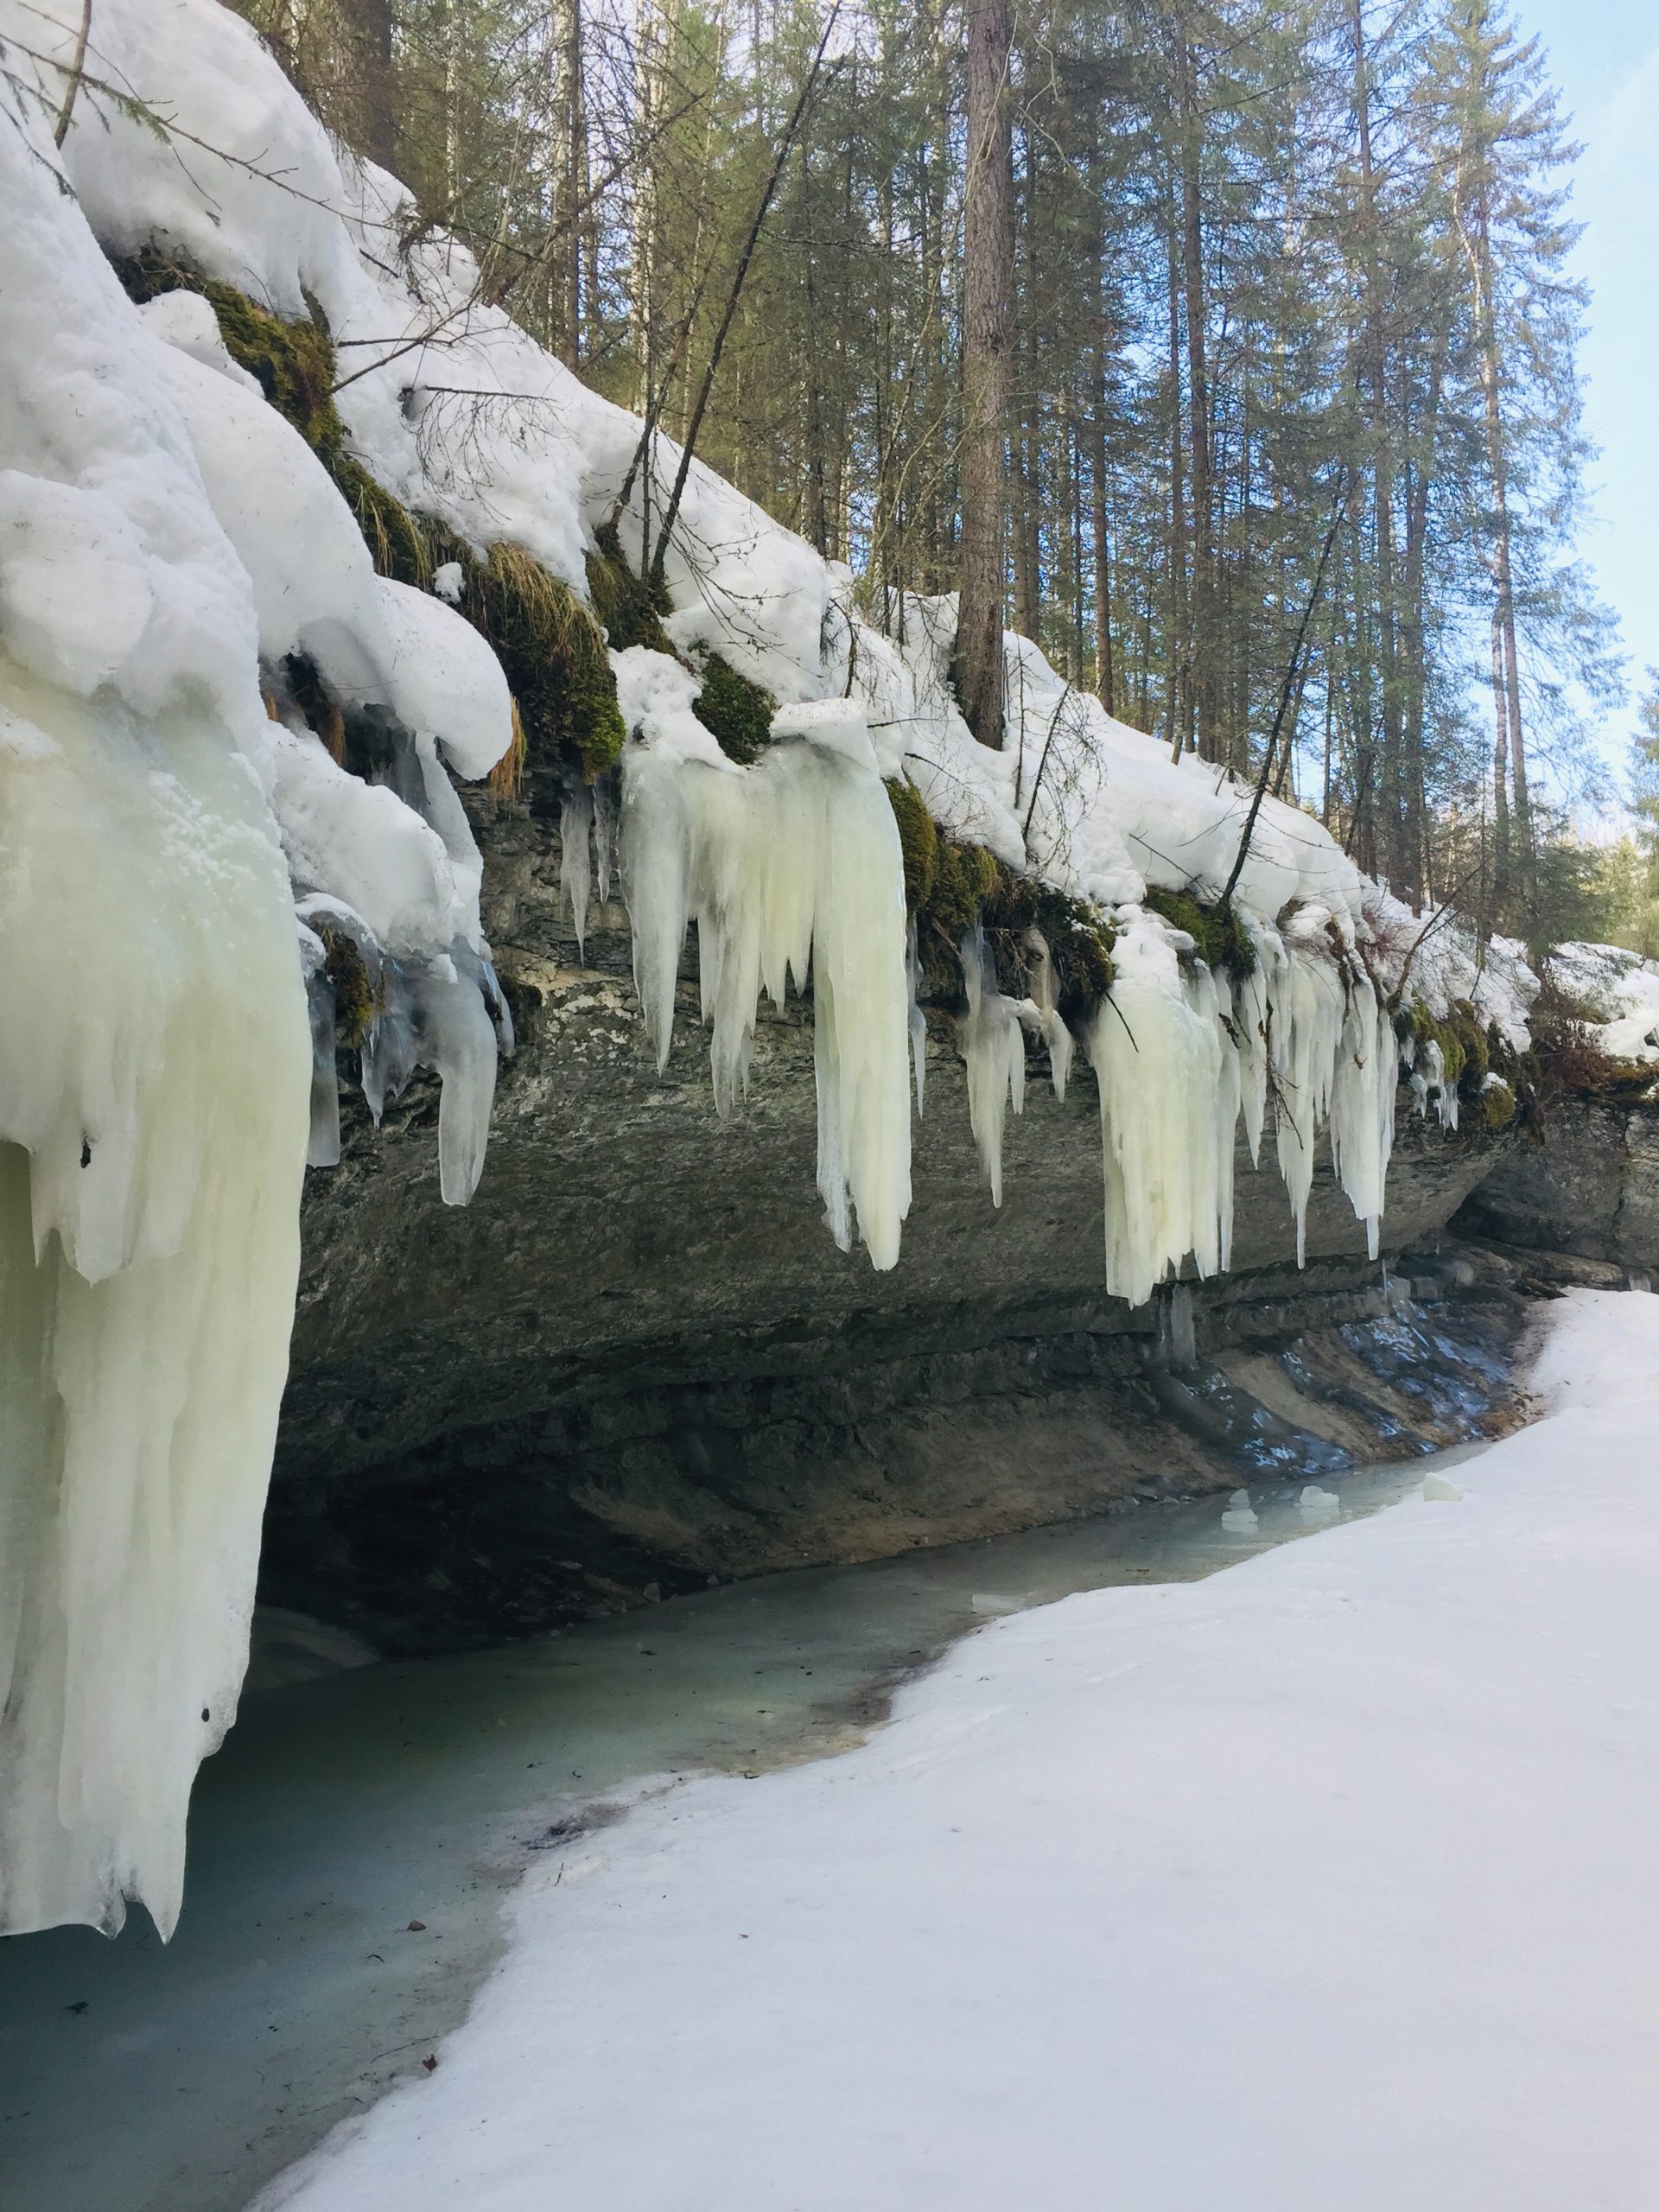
1603 58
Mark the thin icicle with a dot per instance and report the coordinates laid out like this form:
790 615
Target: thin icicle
604 835
322 1147
994 1046
1051 1025
576 859
917 1021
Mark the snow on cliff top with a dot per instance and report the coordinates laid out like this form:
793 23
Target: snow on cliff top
280 211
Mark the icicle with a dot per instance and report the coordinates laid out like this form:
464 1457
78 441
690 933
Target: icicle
789 867
916 1022
1362 1107
604 835
1250 1028
994 1046
155 1064
1168 1112
457 1038
322 1148
1055 1034
1307 1019
654 846
575 858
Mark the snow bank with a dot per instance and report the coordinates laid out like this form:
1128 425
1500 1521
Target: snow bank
154 1063
1326 1881
1619 992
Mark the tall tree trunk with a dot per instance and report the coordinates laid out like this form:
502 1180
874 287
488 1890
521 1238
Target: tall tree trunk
371 20
1203 641
1175 557
1098 395
987 281
1501 840
1398 858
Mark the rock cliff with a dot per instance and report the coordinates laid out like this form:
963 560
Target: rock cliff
638 1358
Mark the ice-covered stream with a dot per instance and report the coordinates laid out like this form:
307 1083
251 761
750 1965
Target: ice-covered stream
134 2077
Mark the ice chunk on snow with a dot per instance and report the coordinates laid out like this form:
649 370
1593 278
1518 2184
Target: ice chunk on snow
361 841
1318 1506
1437 1489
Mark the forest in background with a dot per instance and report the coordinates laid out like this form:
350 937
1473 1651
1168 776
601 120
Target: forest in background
1289 463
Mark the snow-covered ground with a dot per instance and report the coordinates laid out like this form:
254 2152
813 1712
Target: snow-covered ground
1328 1882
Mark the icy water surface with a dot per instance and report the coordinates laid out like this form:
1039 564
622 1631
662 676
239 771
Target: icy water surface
343 1811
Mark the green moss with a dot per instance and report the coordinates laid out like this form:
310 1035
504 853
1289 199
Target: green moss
919 840
354 1002
398 546
1221 939
1474 1042
550 647
737 713
1423 1029
293 361
1079 936
631 607
949 886
1498 1104
964 877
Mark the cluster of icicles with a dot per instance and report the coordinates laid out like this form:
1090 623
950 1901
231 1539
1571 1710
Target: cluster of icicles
444 1009
793 866
1179 1055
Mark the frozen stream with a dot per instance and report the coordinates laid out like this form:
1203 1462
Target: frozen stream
139 2078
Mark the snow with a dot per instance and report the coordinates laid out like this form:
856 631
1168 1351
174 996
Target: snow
1325 1881
153 1070
1619 991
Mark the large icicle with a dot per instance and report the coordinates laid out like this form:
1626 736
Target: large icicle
154 1067
788 868
1169 1101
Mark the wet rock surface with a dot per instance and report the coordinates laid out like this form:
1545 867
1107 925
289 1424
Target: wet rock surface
1588 1189
638 1358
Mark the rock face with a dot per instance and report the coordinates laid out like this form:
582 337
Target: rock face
1590 1190
637 1357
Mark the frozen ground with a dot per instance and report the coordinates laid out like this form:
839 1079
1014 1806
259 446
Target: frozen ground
137 2076
1325 1883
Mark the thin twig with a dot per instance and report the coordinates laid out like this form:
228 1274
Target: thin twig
75 68
1286 695
672 512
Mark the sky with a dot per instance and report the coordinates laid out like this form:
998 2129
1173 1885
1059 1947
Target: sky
1603 58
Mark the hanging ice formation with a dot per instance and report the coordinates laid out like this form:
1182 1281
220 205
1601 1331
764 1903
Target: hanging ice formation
168 548
789 869
153 1076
